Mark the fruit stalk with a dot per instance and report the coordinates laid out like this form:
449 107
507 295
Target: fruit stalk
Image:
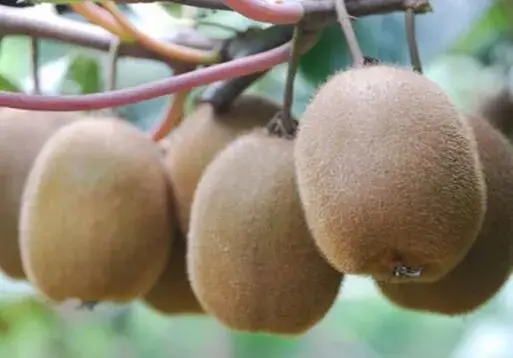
113 56
412 40
34 59
349 34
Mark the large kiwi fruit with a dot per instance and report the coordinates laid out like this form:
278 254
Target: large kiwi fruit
252 262
95 223
196 141
486 267
389 175
22 135
172 294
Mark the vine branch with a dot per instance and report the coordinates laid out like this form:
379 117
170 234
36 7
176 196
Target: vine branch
235 68
18 22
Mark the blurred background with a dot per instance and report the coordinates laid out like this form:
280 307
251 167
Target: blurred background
466 47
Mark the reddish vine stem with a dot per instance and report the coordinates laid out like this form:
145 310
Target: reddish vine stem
235 68
285 12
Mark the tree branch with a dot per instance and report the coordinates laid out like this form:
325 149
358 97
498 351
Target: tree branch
18 22
325 7
14 21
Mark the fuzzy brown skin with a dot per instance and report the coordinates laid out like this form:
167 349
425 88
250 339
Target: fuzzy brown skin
499 112
95 221
196 141
252 261
486 268
22 135
172 294
389 175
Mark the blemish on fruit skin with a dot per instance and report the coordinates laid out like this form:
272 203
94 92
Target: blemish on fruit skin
405 271
88 305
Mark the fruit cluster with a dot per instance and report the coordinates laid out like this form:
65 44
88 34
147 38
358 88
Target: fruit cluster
385 178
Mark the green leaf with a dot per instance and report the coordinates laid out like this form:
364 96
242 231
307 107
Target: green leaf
256 345
437 32
326 57
224 24
384 37
331 53
14 58
7 85
84 72
493 23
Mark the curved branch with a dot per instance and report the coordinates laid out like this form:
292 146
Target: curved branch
18 22
235 68
279 12
172 116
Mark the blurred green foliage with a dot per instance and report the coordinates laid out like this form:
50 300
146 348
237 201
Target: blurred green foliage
466 46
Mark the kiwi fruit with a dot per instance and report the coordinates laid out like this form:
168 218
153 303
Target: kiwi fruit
95 223
196 141
389 175
486 267
22 135
498 110
252 262
172 294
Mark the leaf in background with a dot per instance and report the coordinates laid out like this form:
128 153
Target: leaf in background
14 59
225 24
496 20
155 21
258 345
7 85
438 31
377 36
15 56
51 76
326 57
84 72
384 37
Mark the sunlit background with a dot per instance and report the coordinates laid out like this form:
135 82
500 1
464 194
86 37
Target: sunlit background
466 47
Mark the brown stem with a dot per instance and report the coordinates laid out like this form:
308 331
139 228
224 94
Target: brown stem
283 123
34 59
112 57
349 34
288 123
412 41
